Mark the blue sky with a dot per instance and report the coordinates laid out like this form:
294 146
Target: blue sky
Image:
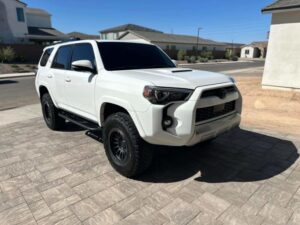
222 20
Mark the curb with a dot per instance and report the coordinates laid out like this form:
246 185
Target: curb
16 75
213 63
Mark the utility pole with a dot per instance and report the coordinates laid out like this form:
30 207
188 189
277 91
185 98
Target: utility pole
199 28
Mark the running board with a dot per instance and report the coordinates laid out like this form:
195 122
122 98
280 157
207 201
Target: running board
85 124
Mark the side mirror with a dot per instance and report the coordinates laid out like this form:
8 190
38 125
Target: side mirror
175 62
83 66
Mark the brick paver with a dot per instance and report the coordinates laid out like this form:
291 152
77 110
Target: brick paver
244 177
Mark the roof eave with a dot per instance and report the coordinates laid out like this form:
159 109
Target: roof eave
281 9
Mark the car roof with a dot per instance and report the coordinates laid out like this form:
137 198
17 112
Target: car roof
99 41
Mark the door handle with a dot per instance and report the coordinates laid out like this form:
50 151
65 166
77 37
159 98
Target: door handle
49 76
68 80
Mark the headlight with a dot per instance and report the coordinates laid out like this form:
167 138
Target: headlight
161 95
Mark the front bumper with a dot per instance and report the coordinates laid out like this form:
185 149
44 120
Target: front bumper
185 131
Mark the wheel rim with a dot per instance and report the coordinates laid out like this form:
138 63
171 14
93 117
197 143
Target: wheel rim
118 146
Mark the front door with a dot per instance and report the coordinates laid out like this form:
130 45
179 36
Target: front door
59 67
80 86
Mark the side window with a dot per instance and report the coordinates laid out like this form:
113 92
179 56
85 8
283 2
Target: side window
46 56
62 58
20 14
83 52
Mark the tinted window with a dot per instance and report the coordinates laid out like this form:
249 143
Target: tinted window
125 56
83 52
20 15
62 58
46 56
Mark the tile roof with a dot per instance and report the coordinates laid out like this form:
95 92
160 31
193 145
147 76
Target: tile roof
172 38
37 11
259 44
127 27
82 36
281 5
47 32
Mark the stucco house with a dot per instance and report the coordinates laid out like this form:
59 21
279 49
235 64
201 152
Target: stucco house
82 36
164 40
256 49
174 41
282 68
116 32
21 24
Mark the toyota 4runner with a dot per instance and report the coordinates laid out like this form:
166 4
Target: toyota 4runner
133 94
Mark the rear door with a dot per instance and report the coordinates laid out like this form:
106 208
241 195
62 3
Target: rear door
60 65
80 87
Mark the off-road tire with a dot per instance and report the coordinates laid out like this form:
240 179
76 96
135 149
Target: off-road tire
50 113
139 153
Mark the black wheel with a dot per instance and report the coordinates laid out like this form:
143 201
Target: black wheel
50 114
125 149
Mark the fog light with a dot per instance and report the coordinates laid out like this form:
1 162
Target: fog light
167 122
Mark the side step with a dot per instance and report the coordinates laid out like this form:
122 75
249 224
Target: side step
85 124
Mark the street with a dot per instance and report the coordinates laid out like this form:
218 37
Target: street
16 92
228 66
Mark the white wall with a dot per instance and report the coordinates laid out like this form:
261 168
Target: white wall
35 20
282 68
251 54
18 29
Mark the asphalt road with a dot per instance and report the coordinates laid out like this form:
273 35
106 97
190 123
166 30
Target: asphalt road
218 67
16 92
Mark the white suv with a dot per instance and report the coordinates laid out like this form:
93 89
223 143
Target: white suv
134 95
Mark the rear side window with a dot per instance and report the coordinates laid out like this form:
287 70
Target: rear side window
62 58
46 56
83 52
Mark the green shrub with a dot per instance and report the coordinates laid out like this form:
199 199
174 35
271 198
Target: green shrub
234 58
207 54
181 54
192 59
204 60
7 54
186 58
20 58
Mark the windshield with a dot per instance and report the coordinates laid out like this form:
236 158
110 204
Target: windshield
127 56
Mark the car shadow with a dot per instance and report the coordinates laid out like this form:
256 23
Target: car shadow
237 156
8 82
71 127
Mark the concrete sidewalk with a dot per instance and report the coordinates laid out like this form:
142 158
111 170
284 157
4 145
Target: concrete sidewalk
20 114
13 75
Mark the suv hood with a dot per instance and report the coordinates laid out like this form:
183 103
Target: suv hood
176 77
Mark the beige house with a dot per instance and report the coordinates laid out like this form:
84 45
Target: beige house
21 24
174 41
254 50
282 68
168 42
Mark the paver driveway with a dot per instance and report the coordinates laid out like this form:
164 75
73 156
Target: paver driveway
244 177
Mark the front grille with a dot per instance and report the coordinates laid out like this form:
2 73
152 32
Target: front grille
219 92
211 112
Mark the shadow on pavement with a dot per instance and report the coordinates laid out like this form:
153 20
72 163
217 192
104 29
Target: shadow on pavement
71 127
8 82
237 156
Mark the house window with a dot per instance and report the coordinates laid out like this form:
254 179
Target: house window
20 15
204 48
247 52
